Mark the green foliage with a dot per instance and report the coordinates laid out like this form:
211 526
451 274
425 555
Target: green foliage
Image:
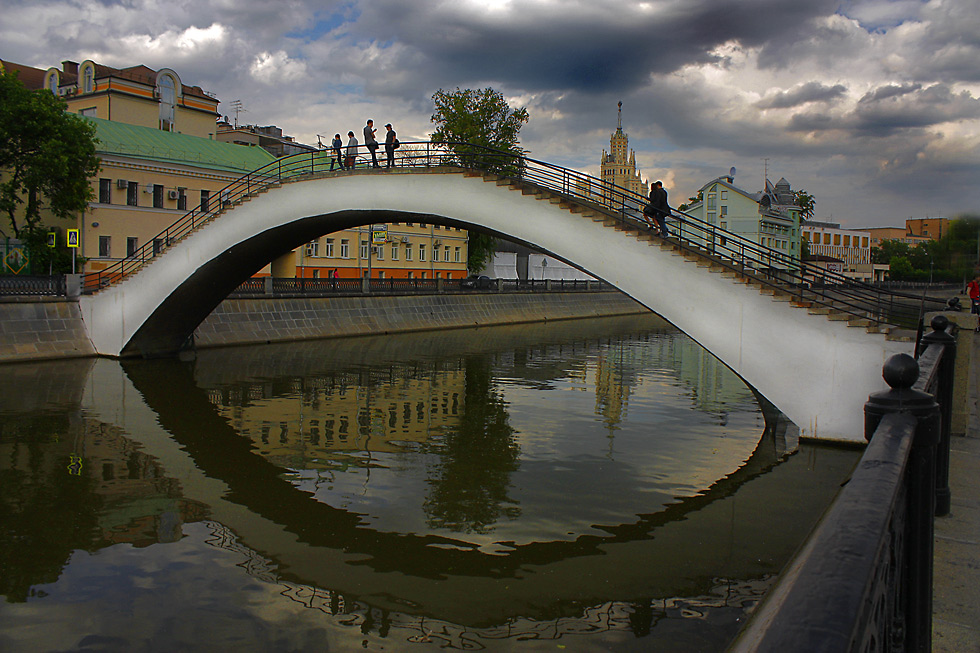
806 202
472 123
44 259
480 249
46 154
953 258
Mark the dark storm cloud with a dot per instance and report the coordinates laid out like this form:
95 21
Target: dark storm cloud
886 111
583 46
802 94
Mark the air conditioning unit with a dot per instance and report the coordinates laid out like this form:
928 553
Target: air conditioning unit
121 183
172 194
148 189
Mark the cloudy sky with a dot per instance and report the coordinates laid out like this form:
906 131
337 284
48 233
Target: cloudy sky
871 106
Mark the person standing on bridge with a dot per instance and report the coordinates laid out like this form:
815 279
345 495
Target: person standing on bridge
336 144
390 144
371 142
351 151
973 289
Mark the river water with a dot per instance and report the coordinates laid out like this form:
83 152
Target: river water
599 484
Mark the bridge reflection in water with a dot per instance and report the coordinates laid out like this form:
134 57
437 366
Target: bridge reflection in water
599 482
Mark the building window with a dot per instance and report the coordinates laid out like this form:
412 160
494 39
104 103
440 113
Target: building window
394 251
157 196
132 244
344 248
313 248
132 193
847 241
364 249
379 252
205 201
445 253
89 112
724 209
724 194
328 247
826 238
411 275
105 246
88 79
105 191
182 199
408 252
157 246
864 241
456 255
381 274
422 253
167 92
837 239
435 253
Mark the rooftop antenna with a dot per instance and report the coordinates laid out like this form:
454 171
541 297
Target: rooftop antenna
239 108
765 183
619 122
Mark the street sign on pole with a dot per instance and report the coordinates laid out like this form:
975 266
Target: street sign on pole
72 237
379 234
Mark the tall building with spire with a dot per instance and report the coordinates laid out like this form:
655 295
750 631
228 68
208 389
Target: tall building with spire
618 165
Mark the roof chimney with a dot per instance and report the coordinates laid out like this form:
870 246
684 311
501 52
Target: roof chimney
70 67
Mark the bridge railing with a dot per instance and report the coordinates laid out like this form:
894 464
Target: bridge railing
808 283
328 287
863 580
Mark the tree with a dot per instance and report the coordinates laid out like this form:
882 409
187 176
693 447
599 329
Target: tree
481 129
805 201
47 156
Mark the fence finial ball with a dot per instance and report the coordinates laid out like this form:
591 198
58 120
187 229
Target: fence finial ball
900 371
939 322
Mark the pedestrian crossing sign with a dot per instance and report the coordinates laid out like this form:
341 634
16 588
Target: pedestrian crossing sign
72 237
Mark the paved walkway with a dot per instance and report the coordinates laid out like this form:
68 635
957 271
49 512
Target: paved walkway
956 586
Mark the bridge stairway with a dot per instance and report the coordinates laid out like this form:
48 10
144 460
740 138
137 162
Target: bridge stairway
712 263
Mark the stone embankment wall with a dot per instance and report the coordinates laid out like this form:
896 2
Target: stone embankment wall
244 321
32 329
39 329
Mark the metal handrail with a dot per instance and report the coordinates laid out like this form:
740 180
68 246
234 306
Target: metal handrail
807 284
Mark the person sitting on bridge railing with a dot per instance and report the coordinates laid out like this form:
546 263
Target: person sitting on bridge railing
658 209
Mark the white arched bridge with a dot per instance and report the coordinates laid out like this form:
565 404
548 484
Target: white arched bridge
811 342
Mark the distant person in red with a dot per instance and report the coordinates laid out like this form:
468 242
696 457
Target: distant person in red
973 288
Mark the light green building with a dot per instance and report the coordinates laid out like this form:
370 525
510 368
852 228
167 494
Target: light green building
768 218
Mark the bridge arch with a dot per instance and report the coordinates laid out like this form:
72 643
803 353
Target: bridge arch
817 370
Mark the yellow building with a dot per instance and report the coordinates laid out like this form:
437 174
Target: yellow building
149 180
161 157
136 96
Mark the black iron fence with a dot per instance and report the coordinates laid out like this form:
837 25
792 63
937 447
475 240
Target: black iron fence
326 287
33 285
275 287
863 580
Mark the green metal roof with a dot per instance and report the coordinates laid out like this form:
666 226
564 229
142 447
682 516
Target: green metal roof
170 147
